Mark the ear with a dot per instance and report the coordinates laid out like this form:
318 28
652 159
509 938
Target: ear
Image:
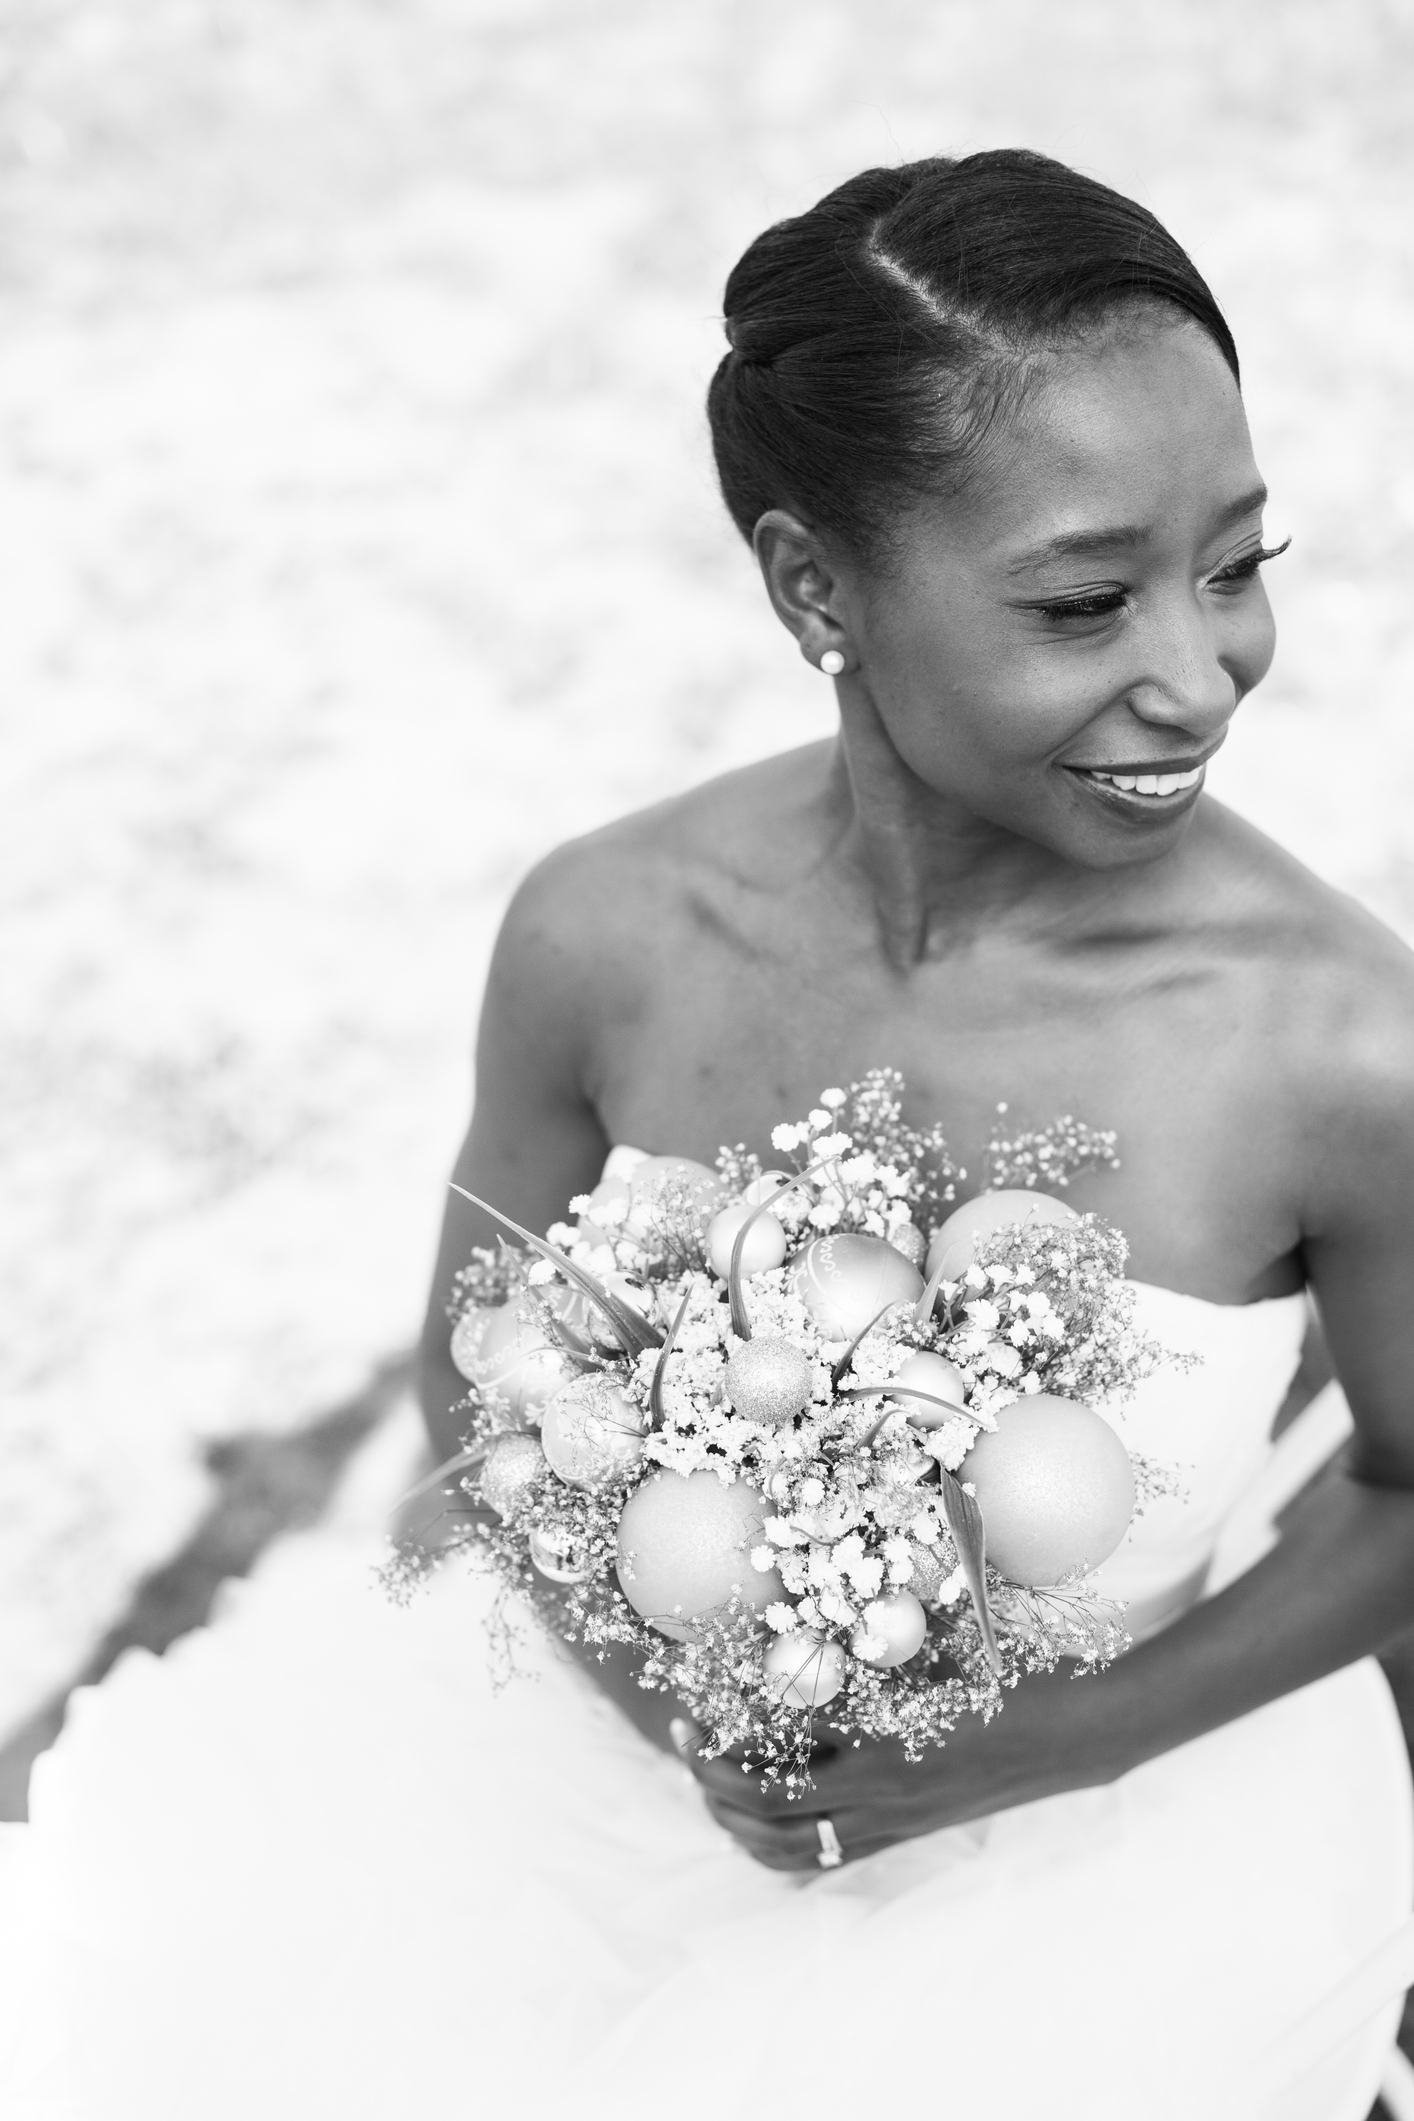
804 585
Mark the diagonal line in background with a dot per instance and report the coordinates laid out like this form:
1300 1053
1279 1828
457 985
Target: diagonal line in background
266 1485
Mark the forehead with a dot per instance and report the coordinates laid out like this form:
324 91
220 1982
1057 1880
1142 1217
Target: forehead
1139 425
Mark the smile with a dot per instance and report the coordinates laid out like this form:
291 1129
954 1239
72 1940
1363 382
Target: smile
1144 783
1153 797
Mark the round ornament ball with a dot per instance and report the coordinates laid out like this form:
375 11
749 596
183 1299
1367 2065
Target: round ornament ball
556 1559
934 1374
685 1542
893 1629
953 1246
597 1324
515 1362
467 1336
591 1433
661 1181
765 1245
766 1187
845 1280
608 1206
1055 1486
804 1670
769 1380
512 1467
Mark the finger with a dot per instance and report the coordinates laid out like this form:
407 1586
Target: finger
782 1845
737 1782
684 1734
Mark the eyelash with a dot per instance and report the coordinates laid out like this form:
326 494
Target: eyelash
1103 603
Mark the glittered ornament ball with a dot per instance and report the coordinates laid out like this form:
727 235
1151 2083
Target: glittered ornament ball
954 1245
845 1280
930 1570
893 1629
1055 1486
591 1433
515 1360
511 1469
804 1670
769 1380
938 1377
909 1239
765 1245
685 1542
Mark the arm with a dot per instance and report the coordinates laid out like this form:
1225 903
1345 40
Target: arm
535 1140
1338 1586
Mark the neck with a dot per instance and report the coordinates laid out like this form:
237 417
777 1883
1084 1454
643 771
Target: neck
936 872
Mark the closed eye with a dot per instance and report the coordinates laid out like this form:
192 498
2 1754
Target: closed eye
1242 571
1093 604
1104 603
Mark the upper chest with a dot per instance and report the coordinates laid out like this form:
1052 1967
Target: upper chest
745 1015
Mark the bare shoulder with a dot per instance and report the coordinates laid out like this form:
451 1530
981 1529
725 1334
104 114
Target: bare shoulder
1328 982
603 910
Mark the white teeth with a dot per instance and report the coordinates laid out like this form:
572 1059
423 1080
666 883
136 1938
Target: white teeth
1150 783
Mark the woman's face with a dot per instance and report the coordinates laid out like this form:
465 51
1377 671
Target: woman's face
1061 651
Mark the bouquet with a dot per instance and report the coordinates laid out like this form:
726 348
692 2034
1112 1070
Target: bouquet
810 1438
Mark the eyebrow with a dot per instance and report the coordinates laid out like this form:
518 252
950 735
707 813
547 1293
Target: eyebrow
1079 544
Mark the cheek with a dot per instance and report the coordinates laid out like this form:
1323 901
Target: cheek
953 695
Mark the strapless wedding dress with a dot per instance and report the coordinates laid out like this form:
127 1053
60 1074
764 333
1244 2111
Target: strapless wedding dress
310 1866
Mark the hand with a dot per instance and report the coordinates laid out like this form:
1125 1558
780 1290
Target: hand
1048 1738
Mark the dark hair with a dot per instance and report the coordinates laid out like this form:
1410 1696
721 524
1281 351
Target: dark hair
875 339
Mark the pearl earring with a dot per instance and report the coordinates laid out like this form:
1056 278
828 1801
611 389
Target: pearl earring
832 662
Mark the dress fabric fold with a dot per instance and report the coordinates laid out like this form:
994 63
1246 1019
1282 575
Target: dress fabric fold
312 1863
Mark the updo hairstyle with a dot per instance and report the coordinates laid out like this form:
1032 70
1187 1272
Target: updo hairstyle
876 339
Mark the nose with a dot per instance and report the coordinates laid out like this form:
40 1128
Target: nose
1189 683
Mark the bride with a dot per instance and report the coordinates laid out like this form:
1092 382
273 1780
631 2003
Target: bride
980 421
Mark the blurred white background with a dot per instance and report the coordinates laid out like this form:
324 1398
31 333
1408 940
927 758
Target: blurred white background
359 542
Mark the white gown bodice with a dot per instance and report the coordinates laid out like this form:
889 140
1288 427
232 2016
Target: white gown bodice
1210 1426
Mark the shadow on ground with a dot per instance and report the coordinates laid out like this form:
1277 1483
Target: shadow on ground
265 1485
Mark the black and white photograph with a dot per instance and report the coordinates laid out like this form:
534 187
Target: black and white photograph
706 888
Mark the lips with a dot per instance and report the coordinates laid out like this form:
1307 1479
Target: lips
1161 781
1137 792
